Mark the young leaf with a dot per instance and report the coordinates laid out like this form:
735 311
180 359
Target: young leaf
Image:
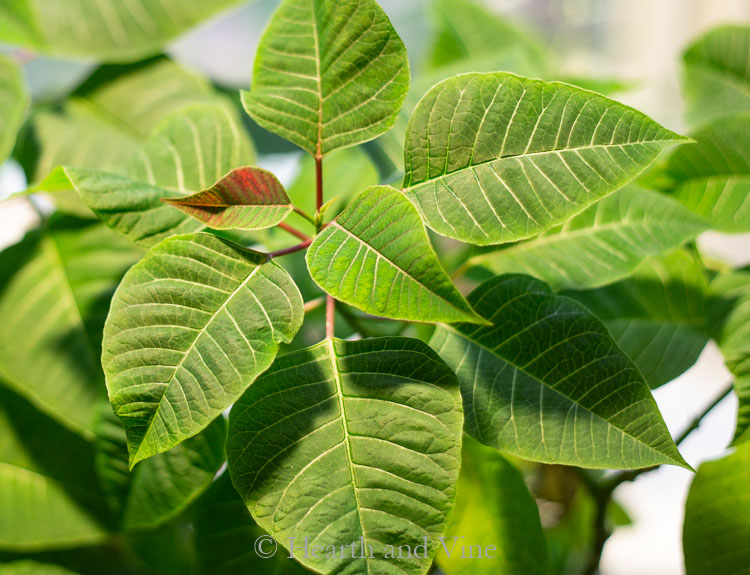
105 30
376 256
717 517
602 244
730 319
712 178
55 288
246 198
49 491
657 316
717 74
190 327
160 488
13 103
496 519
546 382
328 74
493 158
353 443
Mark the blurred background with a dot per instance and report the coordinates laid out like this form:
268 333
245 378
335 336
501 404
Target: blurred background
633 47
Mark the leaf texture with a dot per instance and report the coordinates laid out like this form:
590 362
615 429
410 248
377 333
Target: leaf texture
246 198
107 30
55 289
351 443
657 316
602 244
328 74
712 178
160 488
376 256
717 517
14 101
546 382
493 158
190 327
717 74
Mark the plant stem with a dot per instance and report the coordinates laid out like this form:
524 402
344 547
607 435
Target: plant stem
294 231
304 214
318 182
603 491
330 315
314 304
297 248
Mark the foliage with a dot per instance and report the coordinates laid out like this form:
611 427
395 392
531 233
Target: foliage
457 310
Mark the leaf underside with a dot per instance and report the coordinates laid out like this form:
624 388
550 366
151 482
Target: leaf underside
190 327
348 440
376 256
328 74
493 158
546 382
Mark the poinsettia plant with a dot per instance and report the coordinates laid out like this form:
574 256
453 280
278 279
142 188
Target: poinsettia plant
393 346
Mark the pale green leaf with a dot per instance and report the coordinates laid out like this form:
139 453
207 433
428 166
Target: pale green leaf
351 443
602 244
225 532
55 288
28 567
717 74
712 178
495 527
14 100
493 158
246 198
49 491
190 327
657 316
160 488
717 517
730 318
328 74
547 382
376 256
108 30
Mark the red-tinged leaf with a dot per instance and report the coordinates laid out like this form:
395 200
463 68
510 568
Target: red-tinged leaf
246 198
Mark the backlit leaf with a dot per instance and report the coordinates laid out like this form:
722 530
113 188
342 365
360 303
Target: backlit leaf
493 158
13 103
328 74
28 567
602 244
547 382
717 517
246 198
376 256
351 443
190 327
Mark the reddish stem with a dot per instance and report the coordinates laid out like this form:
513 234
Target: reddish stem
330 315
297 248
294 231
318 182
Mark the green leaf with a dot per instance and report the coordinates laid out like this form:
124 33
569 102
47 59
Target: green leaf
328 74
602 244
225 535
106 30
14 100
493 158
712 178
351 442
49 491
657 316
376 256
730 319
164 485
546 382
186 153
190 327
28 567
717 517
496 520
246 198
717 74
55 288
